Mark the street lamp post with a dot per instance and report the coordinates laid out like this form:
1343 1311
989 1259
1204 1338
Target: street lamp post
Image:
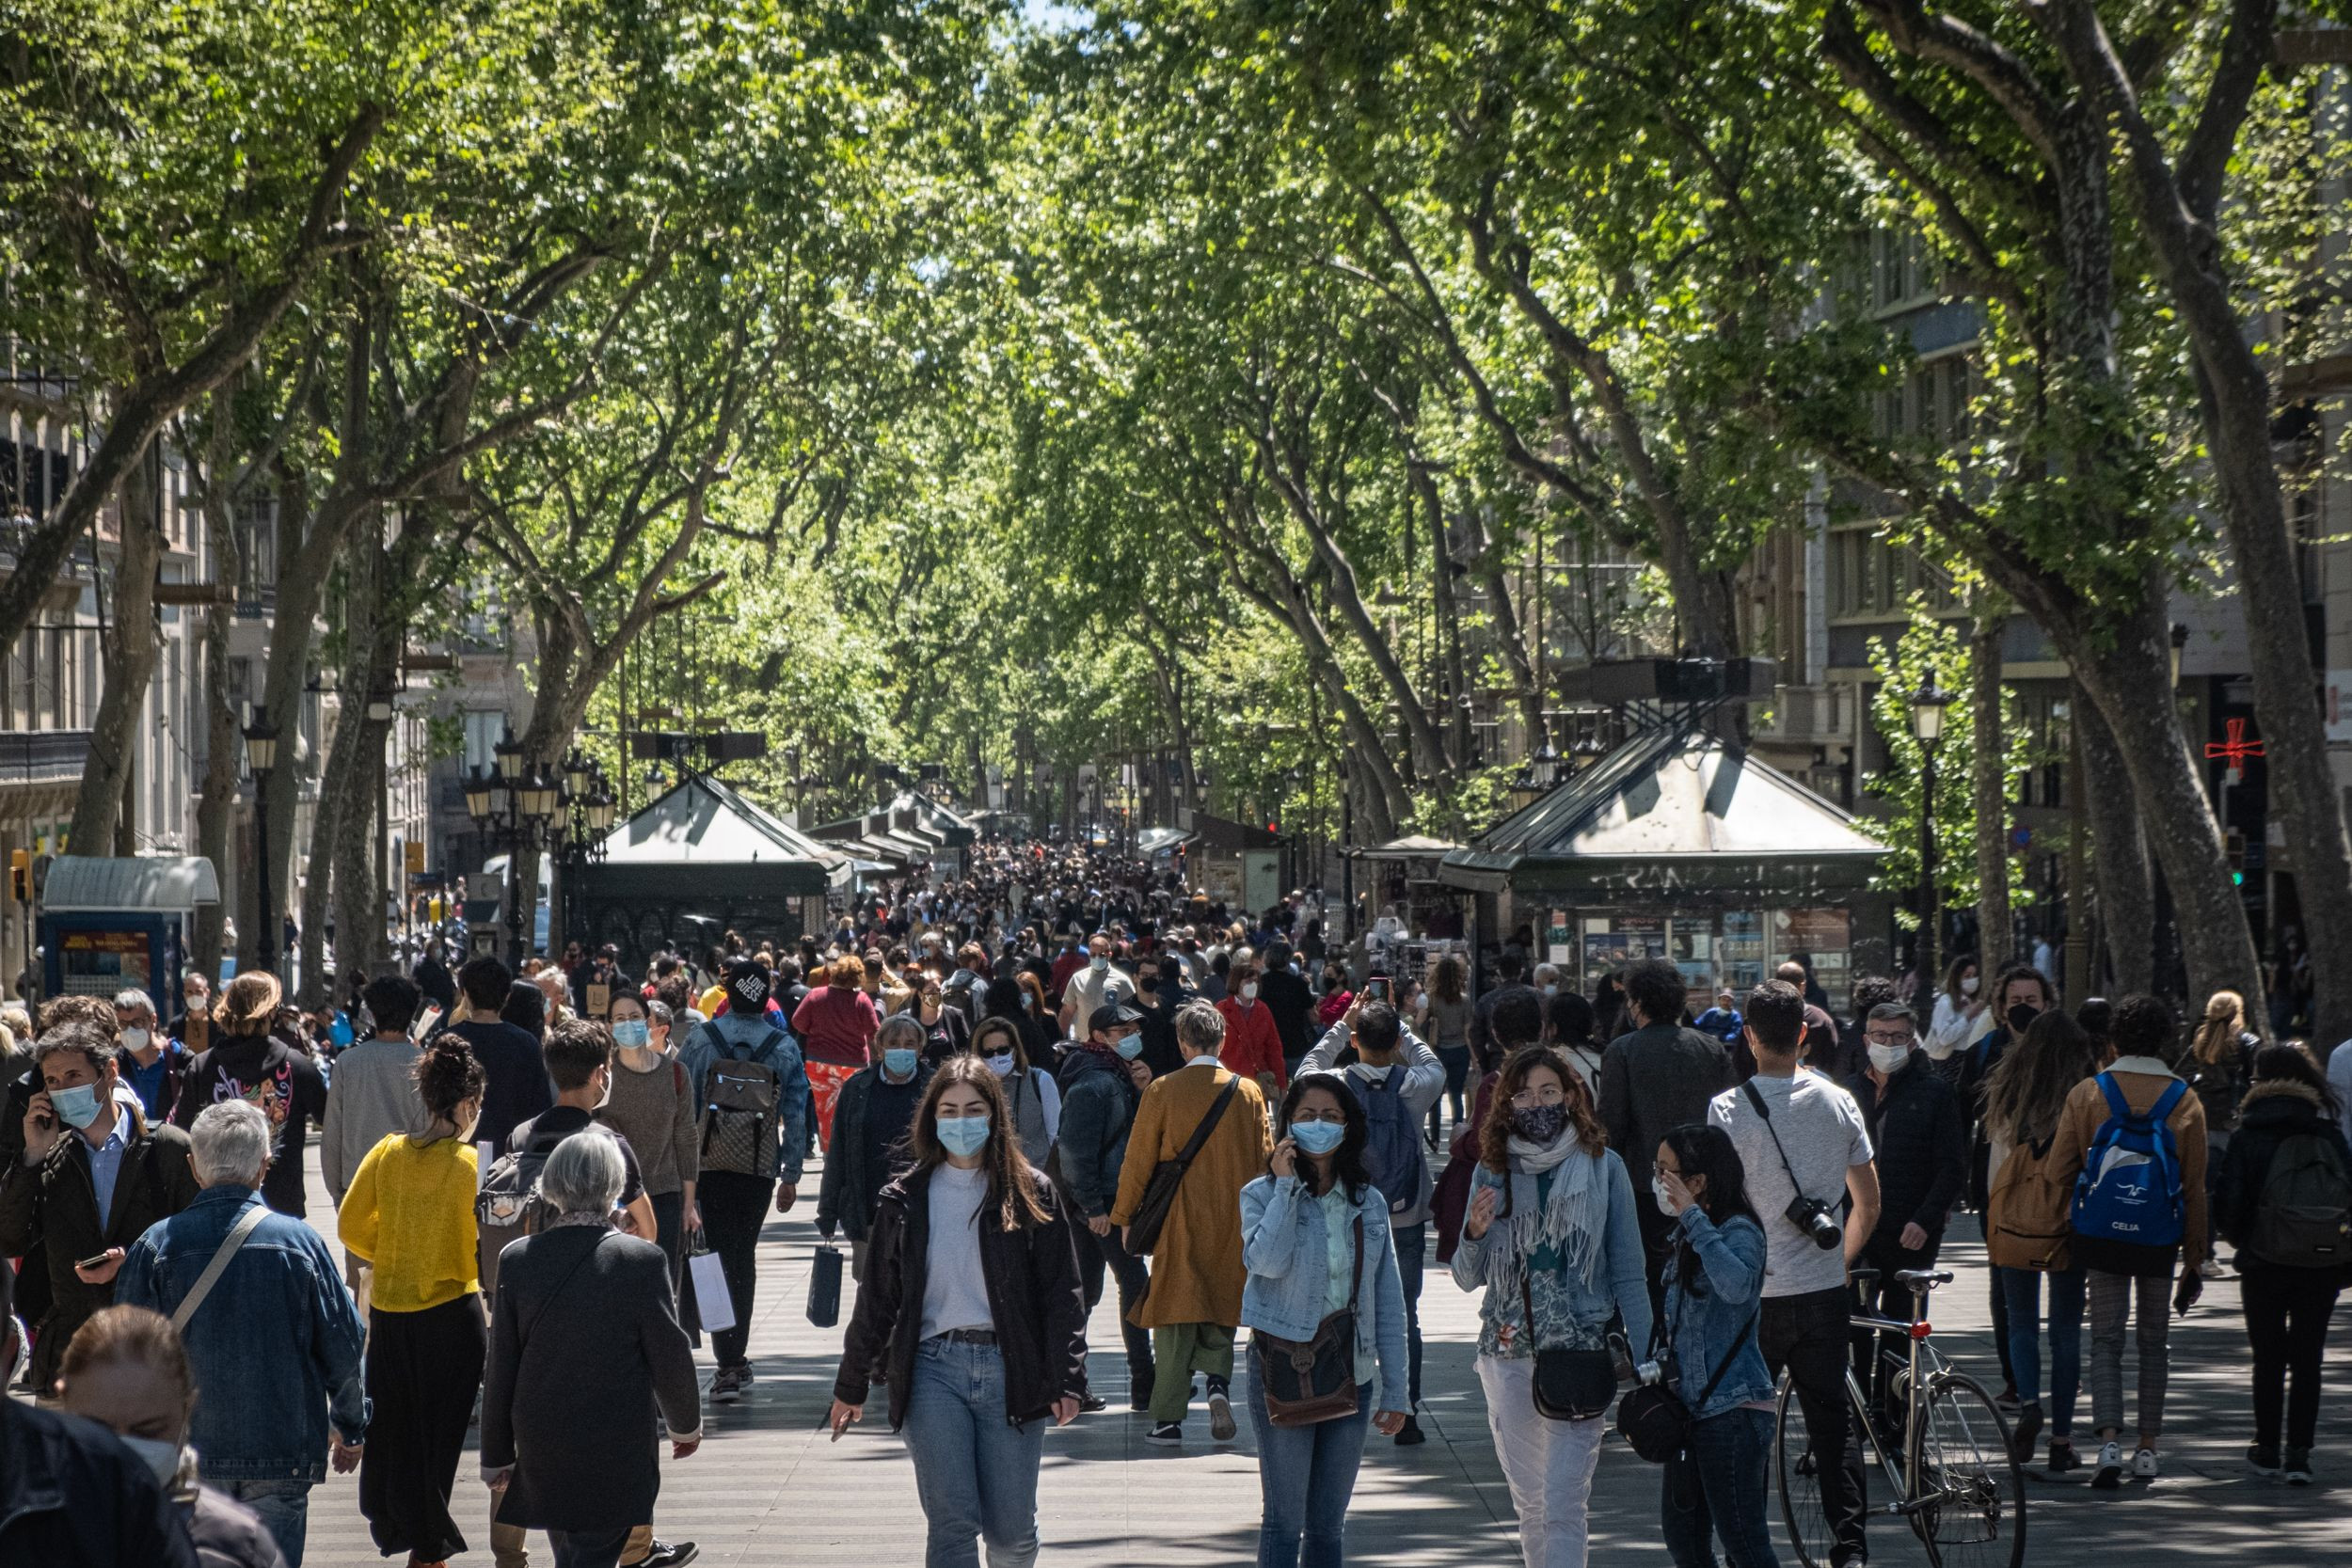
261 756
1927 722
513 808
584 816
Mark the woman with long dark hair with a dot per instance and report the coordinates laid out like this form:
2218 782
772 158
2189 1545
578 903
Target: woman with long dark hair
1316 1242
2288 1114
1714 1287
973 1307
409 1213
1551 1235
2027 1233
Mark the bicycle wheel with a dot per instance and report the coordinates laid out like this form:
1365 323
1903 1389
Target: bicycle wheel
1799 1477
1972 1489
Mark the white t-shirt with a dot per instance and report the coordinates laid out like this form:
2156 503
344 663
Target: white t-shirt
955 1291
1822 1128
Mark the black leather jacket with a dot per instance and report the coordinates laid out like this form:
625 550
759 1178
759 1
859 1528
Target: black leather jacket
1034 1296
1920 1145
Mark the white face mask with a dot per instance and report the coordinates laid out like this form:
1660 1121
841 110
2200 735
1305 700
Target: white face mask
1000 1064
1249 992
134 1039
1658 1190
160 1456
1969 986
1889 1058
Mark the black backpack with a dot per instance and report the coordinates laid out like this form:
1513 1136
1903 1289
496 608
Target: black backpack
509 1206
2303 1219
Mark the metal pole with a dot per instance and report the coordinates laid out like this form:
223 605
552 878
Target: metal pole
1929 909
265 939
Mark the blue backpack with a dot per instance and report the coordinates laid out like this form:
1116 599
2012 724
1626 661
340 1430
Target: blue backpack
2130 1186
1392 1152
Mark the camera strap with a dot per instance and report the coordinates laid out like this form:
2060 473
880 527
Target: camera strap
1766 1116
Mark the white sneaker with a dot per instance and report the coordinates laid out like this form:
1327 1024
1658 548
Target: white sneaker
2211 1269
2144 1464
1221 1426
2109 1474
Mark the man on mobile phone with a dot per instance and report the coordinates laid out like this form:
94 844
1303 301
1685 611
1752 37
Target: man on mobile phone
91 1179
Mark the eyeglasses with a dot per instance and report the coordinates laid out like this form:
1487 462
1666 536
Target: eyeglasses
1906 1037
1550 1094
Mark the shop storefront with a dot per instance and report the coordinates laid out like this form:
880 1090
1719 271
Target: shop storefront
1681 846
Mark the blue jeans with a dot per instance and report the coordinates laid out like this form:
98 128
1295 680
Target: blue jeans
1306 1475
1719 1481
975 1471
1412 1258
2021 1289
283 1508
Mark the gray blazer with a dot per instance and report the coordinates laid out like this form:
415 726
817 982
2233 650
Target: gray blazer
584 1339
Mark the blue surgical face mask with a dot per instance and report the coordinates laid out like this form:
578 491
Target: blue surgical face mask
632 1032
1318 1138
899 1062
1129 1047
77 1107
963 1136
1099 962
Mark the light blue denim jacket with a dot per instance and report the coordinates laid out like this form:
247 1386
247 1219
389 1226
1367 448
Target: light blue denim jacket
739 1038
275 1347
1570 1311
1285 1248
1704 1321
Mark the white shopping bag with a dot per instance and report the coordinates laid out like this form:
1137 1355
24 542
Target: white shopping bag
486 1155
713 1307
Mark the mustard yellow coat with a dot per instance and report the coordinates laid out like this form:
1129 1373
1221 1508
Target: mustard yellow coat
1197 1269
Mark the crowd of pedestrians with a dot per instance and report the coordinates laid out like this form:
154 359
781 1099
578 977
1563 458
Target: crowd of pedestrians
1039 1085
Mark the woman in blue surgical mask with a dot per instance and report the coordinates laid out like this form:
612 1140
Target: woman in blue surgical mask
652 1105
1323 1287
127 1371
973 1307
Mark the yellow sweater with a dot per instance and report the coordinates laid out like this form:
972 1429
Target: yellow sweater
410 1213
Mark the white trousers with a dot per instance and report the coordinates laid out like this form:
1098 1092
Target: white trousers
1549 1463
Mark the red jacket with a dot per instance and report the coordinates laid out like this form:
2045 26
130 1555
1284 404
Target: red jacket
835 1023
1252 1044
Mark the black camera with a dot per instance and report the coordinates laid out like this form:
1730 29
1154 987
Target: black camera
1815 1218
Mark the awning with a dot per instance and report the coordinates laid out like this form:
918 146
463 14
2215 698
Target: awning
1676 808
1159 841
1414 847
102 883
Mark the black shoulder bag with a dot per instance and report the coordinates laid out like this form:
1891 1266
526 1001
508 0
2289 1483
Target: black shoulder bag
1570 1385
1159 1194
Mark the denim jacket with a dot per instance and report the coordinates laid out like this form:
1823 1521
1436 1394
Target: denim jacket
740 1039
1285 1248
1704 1321
1569 1310
275 1344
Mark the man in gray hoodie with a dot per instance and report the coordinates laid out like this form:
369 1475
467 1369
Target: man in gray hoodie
371 1096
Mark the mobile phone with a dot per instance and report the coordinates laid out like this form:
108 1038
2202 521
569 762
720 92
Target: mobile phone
1377 989
98 1263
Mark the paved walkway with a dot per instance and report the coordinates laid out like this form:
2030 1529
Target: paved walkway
768 1488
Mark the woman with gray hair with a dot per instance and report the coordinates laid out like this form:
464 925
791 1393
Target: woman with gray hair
584 1335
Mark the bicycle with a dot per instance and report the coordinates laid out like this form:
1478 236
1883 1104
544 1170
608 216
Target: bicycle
1951 1468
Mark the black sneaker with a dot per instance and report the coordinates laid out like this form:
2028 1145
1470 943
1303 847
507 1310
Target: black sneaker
2022 1436
2063 1457
1092 1403
667 1554
725 1386
1167 1433
1221 1426
1411 1435
1139 1394
2298 1467
2263 1462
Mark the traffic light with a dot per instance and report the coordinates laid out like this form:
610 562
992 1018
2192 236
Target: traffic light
21 876
2233 849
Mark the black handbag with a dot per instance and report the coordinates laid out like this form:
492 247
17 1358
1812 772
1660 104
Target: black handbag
1654 1419
824 1287
1570 1385
1308 1381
